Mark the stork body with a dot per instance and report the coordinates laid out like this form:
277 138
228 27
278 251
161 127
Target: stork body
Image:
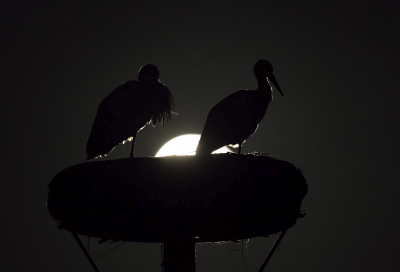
128 109
237 116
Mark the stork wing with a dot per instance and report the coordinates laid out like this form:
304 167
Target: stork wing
119 116
124 112
232 121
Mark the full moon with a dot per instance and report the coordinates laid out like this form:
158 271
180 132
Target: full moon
184 145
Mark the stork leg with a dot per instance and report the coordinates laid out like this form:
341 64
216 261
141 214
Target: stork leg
133 146
240 148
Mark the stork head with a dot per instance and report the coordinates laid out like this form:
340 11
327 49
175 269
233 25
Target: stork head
263 69
148 73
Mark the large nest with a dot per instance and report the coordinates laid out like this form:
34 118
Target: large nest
218 198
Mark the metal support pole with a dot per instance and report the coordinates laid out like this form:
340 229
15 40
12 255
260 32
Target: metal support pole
272 251
96 269
179 256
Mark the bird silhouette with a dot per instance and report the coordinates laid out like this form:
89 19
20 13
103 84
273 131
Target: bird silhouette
127 110
238 115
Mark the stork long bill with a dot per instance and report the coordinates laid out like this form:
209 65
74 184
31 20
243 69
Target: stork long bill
275 82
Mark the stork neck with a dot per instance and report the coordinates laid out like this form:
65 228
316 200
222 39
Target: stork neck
263 84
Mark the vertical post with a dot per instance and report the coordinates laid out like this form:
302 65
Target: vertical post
179 255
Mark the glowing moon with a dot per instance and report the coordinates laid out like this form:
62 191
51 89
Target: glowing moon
184 145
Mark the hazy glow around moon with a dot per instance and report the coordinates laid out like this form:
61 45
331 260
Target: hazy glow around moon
184 145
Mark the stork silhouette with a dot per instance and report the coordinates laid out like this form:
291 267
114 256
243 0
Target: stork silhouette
127 110
237 116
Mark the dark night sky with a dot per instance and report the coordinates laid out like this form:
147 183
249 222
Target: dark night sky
336 62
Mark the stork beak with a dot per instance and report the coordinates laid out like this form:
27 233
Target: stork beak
273 79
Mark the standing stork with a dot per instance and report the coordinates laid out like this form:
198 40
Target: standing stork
238 115
128 109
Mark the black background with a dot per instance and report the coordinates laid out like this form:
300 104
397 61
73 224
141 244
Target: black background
336 62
